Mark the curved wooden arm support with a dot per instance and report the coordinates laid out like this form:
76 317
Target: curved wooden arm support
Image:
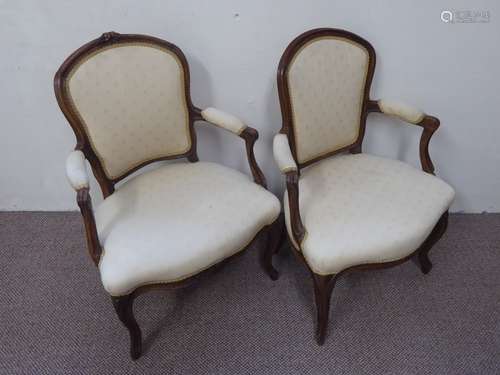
249 135
292 186
85 203
429 124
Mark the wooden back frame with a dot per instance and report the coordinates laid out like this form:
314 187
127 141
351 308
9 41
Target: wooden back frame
82 140
284 93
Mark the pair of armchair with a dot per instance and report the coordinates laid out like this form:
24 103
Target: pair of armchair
127 99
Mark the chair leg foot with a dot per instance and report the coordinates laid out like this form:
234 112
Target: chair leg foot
437 233
273 239
124 309
425 263
323 287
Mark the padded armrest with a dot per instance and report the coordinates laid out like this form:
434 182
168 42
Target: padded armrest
283 154
401 111
223 120
413 116
76 170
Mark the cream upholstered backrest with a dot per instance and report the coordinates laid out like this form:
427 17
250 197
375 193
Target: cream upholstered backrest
326 79
130 98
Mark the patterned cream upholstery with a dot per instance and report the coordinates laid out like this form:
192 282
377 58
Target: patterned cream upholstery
326 81
223 120
283 154
131 99
76 170
401 111
177 220
361 208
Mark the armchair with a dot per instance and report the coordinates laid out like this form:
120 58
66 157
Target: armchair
346 210
127 99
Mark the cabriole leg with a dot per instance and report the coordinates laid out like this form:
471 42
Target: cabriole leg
124 308
323 287
437 233
273 239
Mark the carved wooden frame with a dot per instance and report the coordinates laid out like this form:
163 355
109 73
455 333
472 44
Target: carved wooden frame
124 304
323 284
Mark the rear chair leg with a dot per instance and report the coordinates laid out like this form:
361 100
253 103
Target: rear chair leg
425 263
124 308
273 239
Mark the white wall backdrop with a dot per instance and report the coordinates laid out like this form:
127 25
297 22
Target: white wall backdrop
233 47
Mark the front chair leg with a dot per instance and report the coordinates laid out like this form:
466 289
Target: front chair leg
437 233
273 238
124 308
323 287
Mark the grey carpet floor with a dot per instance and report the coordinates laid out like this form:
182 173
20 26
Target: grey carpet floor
55 318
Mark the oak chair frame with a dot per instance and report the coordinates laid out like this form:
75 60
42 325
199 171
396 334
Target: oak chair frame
124 304
324 284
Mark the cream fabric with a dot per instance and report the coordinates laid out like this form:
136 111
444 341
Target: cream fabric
401 110
283 154
223 120
76 170
326 81
175 221
131 98
359 209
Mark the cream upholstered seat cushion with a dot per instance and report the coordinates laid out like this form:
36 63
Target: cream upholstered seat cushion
360 209
175 221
